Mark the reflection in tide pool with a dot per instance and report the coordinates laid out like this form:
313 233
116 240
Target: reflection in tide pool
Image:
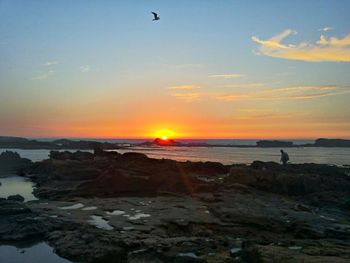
115 213
100 222
14 184
72 207
39 253
89 208
137 216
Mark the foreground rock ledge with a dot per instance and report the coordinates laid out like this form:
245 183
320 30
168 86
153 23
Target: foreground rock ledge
191 211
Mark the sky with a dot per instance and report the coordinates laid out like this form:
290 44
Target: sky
206 69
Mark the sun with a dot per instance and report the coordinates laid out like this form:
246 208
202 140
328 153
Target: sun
164 134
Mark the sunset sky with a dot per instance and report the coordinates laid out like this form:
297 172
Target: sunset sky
206 69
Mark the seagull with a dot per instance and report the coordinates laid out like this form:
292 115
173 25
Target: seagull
156 17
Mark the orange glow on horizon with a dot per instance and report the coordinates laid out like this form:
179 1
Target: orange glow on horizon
164 134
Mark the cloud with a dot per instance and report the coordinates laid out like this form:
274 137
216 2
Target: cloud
249 114
188 97
51 63
184 87
226 76
288 93
44 75
325 49
85 68
325 29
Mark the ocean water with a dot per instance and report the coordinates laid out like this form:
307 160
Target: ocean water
227 155
38 253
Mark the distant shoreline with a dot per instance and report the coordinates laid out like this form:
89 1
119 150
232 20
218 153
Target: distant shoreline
68 144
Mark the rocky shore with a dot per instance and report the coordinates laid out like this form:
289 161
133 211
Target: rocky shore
111 207
64 144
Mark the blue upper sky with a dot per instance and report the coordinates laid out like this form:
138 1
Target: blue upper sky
82 64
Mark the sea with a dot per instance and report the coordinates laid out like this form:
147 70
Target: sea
225 155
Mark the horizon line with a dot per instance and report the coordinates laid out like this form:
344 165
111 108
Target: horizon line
176 138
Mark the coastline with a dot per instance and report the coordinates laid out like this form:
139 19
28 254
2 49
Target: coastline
95 207
8 142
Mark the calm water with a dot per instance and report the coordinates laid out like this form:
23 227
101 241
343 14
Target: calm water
228 155
39 253
14 184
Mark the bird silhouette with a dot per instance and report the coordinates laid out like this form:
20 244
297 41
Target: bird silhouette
156 17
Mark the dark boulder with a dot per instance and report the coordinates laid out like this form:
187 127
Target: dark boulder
295 179
12 162
66 155
109 174
17 197
205 168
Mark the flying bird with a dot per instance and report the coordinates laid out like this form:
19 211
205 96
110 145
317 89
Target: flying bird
156 17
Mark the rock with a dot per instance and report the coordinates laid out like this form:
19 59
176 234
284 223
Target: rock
189 255
11 207
17 197
66 155
300 207
295 248
332 143
252 209
296 179
12 162
251 253
112 174
23 143
346 205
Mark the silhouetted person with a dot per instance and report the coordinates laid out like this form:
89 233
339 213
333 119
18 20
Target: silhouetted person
284 157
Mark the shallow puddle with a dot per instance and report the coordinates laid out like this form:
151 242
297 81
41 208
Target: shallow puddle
115 213
38 253
14 185
100 222
70 207
89 208
138 216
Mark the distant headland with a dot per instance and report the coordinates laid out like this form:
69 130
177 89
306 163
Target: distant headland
8 142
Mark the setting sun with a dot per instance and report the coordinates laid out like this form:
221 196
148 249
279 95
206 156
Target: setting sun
164 134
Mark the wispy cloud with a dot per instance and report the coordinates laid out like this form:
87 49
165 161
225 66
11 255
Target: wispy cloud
184 87
51 63
226 76
85 68
44 75
188 97
325 29
288 93
265 114
325 49
275 94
